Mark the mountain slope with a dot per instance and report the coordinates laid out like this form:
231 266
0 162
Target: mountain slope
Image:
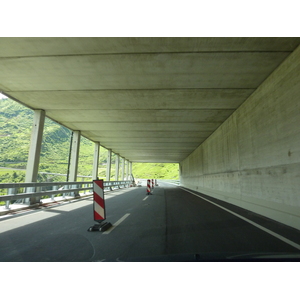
15 133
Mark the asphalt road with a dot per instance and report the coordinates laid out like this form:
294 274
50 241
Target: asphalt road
171 224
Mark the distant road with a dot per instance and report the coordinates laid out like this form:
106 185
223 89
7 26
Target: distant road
6 168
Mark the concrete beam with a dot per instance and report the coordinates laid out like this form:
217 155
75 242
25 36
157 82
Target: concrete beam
45 46
144 116
111 127
146 99
158 71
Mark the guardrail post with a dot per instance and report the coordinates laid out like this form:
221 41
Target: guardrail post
54 188
77 186
38 199
73 186
31 200
11 191
7 204
66 187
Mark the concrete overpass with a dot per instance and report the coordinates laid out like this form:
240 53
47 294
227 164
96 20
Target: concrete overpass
226 109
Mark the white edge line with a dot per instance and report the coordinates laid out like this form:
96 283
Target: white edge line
116 224
145 198
297 246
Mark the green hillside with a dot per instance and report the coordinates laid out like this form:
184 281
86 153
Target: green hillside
155 171
15 133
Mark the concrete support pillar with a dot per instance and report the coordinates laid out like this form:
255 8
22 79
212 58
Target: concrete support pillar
130 168
108 166
34 152
123 168
96 161
127 169
35 146
117 168
74 156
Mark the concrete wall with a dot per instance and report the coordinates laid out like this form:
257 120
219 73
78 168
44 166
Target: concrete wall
253 159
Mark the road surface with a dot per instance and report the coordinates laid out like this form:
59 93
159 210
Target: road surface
171 224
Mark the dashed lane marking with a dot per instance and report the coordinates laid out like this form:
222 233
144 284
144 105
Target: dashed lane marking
116 224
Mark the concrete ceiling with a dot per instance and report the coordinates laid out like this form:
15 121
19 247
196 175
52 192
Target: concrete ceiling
147 99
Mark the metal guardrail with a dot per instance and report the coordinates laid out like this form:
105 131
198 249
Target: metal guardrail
176 182
25 191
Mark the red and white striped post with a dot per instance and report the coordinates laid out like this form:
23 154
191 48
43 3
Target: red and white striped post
99 204
99 207
148 187
152 181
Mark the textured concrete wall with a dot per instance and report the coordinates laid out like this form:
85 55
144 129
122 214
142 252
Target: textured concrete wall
253 158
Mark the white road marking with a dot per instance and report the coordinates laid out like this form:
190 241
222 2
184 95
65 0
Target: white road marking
116 224
145 198
293 244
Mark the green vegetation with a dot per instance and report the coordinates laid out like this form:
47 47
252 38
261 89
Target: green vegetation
155 171
15 133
